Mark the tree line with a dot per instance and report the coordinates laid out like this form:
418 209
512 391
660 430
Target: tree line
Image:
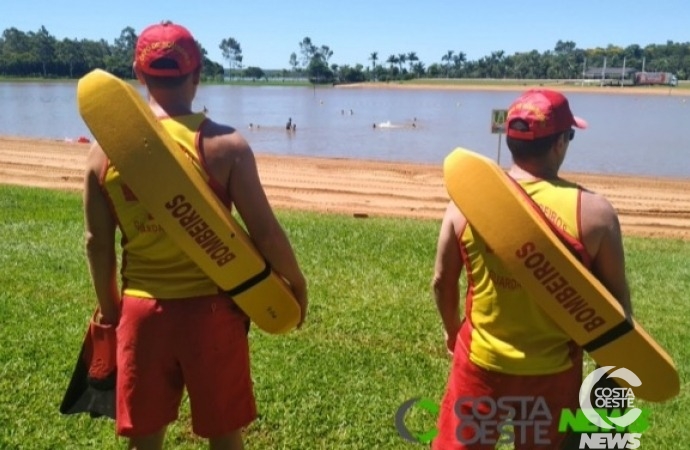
40 54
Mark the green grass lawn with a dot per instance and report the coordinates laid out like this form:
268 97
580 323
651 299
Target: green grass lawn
372 340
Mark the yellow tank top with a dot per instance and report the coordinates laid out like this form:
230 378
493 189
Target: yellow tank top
508 332
152 264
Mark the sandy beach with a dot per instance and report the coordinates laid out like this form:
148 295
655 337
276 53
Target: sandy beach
515 85
651 207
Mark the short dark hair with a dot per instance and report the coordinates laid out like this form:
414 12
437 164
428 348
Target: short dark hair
165 82
522 149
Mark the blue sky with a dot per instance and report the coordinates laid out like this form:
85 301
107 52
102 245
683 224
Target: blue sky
270 30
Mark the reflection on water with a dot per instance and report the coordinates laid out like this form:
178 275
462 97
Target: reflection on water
634 134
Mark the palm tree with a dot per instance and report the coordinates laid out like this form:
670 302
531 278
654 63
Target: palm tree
402 59
412 58
496 67
418 69
447 58
373 58
392 60
459 60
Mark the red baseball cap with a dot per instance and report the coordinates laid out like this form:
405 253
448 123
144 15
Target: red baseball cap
167 40
545 112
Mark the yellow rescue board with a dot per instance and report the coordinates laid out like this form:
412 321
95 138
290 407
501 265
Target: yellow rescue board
148 158
573 298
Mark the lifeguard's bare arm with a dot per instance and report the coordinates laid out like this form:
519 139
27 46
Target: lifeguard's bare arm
245 189
99 227
447 270
603 240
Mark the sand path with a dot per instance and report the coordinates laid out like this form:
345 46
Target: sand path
655 207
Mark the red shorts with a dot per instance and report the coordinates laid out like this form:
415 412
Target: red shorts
463 411
165 346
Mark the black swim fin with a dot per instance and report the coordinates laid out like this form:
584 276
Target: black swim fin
92 386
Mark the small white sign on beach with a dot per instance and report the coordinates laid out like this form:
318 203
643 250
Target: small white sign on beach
498 126
498 121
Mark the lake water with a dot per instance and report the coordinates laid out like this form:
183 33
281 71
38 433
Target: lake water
627 134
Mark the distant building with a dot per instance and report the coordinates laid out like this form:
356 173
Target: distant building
612 75
598 73
617 76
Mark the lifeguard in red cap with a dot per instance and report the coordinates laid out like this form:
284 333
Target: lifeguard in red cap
175 330
508 356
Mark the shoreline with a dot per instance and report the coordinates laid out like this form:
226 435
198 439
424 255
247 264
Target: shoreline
647 206
530 84
462 84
